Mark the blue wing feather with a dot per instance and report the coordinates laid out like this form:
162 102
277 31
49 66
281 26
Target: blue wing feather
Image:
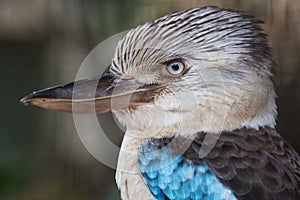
171 177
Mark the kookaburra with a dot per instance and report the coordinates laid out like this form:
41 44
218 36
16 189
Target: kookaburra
194 90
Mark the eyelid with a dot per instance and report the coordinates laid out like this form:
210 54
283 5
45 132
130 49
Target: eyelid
174 60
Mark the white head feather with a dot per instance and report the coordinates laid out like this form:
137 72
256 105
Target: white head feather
227 84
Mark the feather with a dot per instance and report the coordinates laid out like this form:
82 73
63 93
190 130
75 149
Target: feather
254 170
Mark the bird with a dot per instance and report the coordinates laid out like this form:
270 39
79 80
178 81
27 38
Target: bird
195 92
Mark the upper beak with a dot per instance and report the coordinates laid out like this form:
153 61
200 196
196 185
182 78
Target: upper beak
94 95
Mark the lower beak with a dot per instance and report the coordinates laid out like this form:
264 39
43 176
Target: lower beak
94 95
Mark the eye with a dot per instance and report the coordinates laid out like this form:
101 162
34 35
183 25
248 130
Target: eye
175 67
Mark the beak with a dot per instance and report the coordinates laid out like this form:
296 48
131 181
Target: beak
94 95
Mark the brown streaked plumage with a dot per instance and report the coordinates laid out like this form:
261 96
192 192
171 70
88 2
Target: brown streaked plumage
254 164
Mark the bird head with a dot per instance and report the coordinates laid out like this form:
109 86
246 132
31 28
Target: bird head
204 69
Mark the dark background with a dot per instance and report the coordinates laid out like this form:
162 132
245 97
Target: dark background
42 43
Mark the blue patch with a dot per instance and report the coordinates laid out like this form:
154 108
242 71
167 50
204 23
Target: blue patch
170 177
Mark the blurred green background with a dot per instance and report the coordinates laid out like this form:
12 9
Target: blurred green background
43 42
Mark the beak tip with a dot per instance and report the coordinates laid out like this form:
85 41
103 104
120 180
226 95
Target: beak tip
30 98
26 100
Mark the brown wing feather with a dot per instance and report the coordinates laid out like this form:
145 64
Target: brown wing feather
254 164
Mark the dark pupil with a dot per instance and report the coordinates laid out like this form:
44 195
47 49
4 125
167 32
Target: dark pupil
175 67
